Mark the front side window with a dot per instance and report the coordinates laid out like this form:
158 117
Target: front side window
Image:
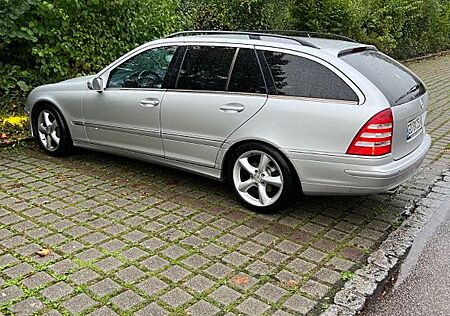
145 70
302 77
205 68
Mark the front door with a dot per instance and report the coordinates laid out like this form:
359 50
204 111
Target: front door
126 115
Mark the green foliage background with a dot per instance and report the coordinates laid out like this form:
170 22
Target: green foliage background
47 41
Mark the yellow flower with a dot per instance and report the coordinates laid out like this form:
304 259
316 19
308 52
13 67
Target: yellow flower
16 121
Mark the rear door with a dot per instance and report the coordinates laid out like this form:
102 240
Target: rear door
217 90
405 93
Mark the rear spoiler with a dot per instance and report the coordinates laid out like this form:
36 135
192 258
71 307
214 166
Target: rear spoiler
356 49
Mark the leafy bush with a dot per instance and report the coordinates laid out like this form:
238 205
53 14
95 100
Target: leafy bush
46 41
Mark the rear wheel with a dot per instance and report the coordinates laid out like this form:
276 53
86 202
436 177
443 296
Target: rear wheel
261 177
51 131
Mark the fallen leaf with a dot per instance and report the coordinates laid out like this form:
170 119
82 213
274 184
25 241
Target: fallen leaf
240 279
44 252
3 136
291 283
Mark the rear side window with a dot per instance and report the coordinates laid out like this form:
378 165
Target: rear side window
246 75
206 68
302 77
393 79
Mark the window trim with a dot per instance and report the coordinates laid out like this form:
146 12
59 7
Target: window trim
332 68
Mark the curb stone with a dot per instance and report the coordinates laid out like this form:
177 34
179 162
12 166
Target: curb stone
372 277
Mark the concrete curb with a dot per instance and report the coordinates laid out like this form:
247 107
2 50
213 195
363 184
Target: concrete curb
382 264
433 55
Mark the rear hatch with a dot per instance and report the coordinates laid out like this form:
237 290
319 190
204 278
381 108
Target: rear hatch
404 91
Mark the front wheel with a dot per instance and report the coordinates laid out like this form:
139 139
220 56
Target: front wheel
51 131
261 177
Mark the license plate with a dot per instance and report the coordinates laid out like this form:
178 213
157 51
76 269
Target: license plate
414 126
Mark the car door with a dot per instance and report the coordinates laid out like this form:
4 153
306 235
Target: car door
126 114
217 90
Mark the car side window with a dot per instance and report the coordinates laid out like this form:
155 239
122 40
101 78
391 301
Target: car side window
246 75
145 70
302 77
205 68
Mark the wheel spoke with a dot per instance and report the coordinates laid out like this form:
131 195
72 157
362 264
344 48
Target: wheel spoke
54 137
49 142
41 128
263 197
263 163
47 119
275 181
247 166
246 185
54 125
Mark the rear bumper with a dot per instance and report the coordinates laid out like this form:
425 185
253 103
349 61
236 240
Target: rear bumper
346 175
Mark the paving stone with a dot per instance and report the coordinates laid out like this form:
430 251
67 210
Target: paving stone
315 289
199 283
203 308
340 264
300 265
313 255
251 248
225 295
19 270
213 250
133 254
236 259
10 293
218 270
104 287
108 264
252 306
83 276
176 297
299 304
29 306
39 279
104 311
174 252
176 273
328 276
288 247
152 309
130 274
154 263
62 267
259 268
127 300
275 256
113 245
195 261
57 291
271 292
78 303
89 255
153 243
152 285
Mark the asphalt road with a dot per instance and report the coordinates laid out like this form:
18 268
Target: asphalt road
423 283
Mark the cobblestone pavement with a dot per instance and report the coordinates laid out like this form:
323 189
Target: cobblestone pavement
133 238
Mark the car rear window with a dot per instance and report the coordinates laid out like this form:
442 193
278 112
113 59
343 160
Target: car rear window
302 77
247 75
206 68
390 77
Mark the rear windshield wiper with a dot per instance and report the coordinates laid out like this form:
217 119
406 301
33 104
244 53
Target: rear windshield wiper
413 89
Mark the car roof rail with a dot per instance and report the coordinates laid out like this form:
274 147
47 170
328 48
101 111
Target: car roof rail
251 34
306 34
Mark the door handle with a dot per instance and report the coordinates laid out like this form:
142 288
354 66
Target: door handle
149 103
232 108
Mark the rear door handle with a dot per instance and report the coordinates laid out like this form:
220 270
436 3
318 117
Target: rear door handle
232 108
149 103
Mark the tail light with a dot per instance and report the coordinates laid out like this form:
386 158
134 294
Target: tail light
375 137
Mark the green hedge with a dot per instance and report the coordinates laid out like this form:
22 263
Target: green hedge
46 41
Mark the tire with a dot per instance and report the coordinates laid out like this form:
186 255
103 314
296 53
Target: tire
261 177
51 131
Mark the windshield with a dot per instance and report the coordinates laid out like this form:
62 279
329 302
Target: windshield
396 82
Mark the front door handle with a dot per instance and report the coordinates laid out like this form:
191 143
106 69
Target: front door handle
149 103
232 108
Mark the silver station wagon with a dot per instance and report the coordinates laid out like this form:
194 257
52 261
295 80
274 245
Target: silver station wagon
273 113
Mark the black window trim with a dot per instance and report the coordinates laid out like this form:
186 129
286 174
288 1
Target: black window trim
273 91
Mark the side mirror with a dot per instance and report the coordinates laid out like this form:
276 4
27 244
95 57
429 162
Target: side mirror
97 84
